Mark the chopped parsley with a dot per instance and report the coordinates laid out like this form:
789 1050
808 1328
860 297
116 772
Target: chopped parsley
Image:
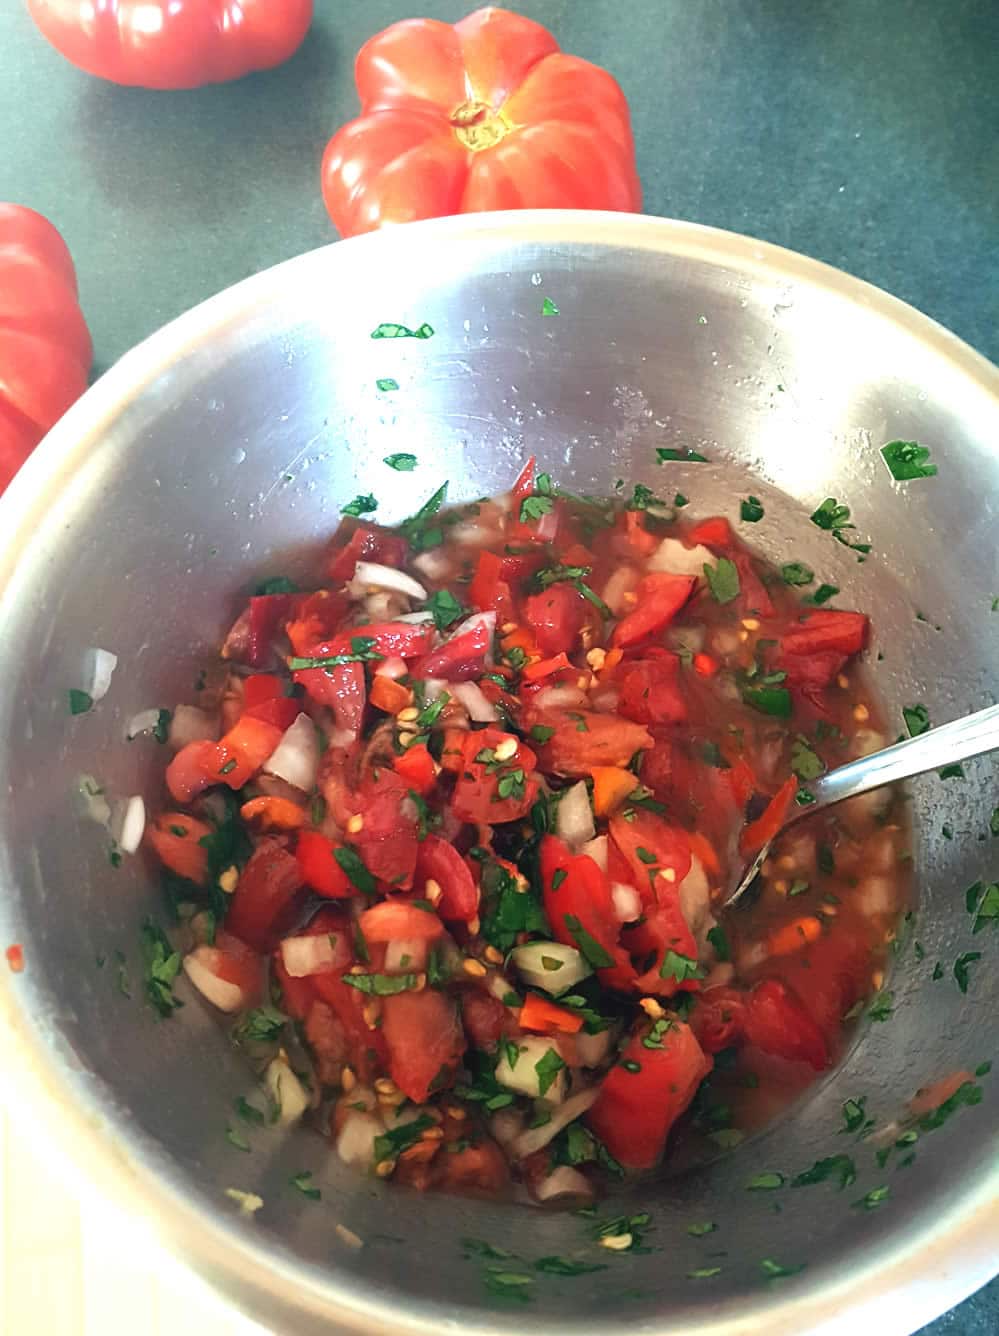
548 307
420 532
870 1201
881 1006
361 505
262 1025
534 507
161 966
548 1067
381 985
386 383
351 863
362 650
835 518
961 966
751 510
805 763
796 573
236 1138
277 584
563 1266
822 595
723 580
542 733
775 701
917 719
507 911
394 1142
80 701
718 939
589 947
907 460
303 1185
388 329
402 462
703 1227
679 967
966 1096
445 608
775 1271
766 1182
839 1168
667 455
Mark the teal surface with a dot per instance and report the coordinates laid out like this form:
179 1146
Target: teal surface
862 132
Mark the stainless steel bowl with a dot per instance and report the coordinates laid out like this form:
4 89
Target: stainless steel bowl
225 445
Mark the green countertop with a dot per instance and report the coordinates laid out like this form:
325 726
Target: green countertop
862 132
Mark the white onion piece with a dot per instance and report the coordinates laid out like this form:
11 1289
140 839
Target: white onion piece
434 686
561 696
621 582
506 1125
410 618
497 985
605 701
470 695
94 803
695 901
597 850
189 724
103 664
133 824
401 957
593 1049
380 606
563 1182
435 564
392 667
550 966
688 638
296 757
368 573
536 1137
355 1143
547 526
287 1093
219 992
523 1076
486 619
143 722
627 901
472 535
574 817
314 953
672 557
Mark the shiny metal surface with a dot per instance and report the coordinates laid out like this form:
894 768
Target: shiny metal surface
223 447
951 743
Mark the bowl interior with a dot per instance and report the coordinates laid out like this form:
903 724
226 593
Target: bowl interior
221 451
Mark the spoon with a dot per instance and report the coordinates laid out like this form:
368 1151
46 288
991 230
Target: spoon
956 741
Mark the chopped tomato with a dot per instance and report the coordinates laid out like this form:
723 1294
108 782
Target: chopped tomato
416 767
827 631
719 1018
260 687
439 861
536 672
584 738
753 596
367 1052
524 485
490 590
424 1039
645 1092
267 612
643 542
485 1018
777 1022
281 711
659 597
234 962
490 789
649 691
479 1167
580 909
713 532
460 658
556 617
812 673
453 751
315 618
326 1036
243 750
544 1017
319 868
365 543
177 838
194 769
397 921
387 841
657 853
264 895
765 827
297 995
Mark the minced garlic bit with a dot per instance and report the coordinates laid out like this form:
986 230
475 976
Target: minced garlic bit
432 890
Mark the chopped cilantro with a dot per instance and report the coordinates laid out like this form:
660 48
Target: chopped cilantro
445 608
386 383
249 1113
301 1182
775 1271
420 533
822 595
679 967
796 573
392 1143
805 763
402 462
548 307
362 650
704 1273
751 510
854 1114
826 860
907 460
351 863
80 701
774 701
361 505
534 507
541 733
831 515
961 966
723 580
654 1039
161 966
667 454
388 329
870 1201
589 947
836 1167
507 911
236 1138
718 939
983 1069
680 501
630 1065
381 985
509 1285
548 1067
766 1182
983 903
966 1096
261 1026
698 1230
277 584
563 1266
881 1006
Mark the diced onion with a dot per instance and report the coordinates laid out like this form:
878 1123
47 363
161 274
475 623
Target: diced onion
554 978
435 564
433 686
523 1076
621 582
287 1093
133 824
355 1143
627 901
296 757
381 606
672 557
547 526
597 850
486 619
314 953
410 618
368 573
537 1137
392 667
605 701
563 1182
401 957
562 696
593 1049
574 817
506 1125
470 695
103 664
94 803
472 535
189 724
219 992
695 899
143 722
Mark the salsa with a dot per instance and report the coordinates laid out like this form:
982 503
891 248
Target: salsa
448 833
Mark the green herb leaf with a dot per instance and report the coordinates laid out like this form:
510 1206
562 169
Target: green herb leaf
718 939
386 383
668 455
548 307
881 1006
361 505
699 1230
704 1273
249 1113
870 1201
907 460
511 1286
589 947
237 1139
961 967
917 719
831 515
533 507
839 1167
277 584
723 580
80 701
418 529
854 1114
822 595
302 1184
388 329
985 906
563 1266
351 863
775 701
445 608
505 910
381 985
751 510
542 733
262 1025
766 1182
679 967
966 1096
775 1271
806 763
796 573
402 462
161 966
548 1067
394 1142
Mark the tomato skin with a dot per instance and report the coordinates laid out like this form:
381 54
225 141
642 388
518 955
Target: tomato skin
416 767
649 692
778 1022
713 532
267 612
424 1039
826 631
367 1051
266 889
476 794
489 590
173 43
297 995
243 750
460 658
660 598
635 1110
387 842
364 543
45 347
281 711
719 1018
396 921
574 888
584 739
563 140
318 867
238 964
556 616
652 835
438 860
192 770
182 854
485 1018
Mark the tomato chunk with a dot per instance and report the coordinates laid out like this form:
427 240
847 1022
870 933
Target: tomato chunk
424 1039
659 598
319 868
439 861
177 838
264 893
649 692
583 739
556 617
494 788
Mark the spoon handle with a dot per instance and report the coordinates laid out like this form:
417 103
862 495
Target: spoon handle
956 741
